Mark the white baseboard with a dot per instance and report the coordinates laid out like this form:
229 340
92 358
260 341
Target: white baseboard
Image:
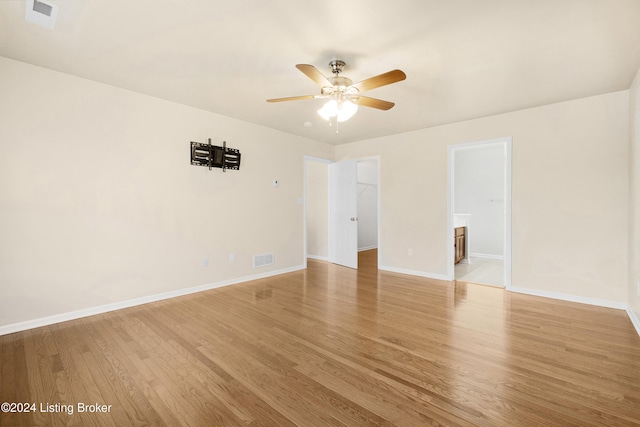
634 319
413 273
486 256
367 248
318 257
570 298
63 317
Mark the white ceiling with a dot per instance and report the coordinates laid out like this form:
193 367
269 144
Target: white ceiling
464 59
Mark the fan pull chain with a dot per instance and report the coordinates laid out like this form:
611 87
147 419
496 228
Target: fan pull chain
337 124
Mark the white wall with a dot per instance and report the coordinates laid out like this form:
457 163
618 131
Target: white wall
634 201
367 204
570 197
317 209
99 203
479 191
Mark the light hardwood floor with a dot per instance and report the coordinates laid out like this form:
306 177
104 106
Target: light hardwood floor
333 346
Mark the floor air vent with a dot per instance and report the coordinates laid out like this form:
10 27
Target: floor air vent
262 260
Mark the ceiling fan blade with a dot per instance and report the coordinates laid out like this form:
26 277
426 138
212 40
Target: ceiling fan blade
380 80
315 75
292 98
373 102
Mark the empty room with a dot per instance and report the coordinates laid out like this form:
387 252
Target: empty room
331 213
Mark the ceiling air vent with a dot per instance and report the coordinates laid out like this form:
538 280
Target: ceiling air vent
41 13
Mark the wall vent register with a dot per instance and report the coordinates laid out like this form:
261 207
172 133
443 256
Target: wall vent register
262 260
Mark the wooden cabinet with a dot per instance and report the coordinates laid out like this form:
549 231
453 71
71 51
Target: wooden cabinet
459 243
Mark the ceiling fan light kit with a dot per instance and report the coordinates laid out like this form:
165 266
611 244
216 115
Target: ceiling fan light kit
342 111
342 94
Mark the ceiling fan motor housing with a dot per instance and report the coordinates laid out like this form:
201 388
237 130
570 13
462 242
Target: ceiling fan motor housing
339 84
340 81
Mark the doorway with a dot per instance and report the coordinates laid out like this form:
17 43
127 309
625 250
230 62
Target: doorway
367 202
479 208
341 209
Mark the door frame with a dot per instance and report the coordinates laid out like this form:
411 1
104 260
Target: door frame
506 142
307 158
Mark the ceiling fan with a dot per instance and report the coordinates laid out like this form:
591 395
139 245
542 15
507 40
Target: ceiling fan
344 95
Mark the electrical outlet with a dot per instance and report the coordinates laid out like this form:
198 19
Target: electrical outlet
410 252
232 257
205 262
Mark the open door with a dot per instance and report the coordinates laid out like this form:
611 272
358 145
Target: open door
343 213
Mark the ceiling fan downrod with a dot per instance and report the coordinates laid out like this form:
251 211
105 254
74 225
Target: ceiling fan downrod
336 66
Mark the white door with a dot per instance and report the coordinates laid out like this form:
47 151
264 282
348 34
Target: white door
343 213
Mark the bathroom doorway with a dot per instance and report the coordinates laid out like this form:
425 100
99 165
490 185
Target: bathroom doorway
480 212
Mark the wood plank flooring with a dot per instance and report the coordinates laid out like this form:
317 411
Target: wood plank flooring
330 346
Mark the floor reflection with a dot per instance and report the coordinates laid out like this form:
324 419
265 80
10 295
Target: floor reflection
479 307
